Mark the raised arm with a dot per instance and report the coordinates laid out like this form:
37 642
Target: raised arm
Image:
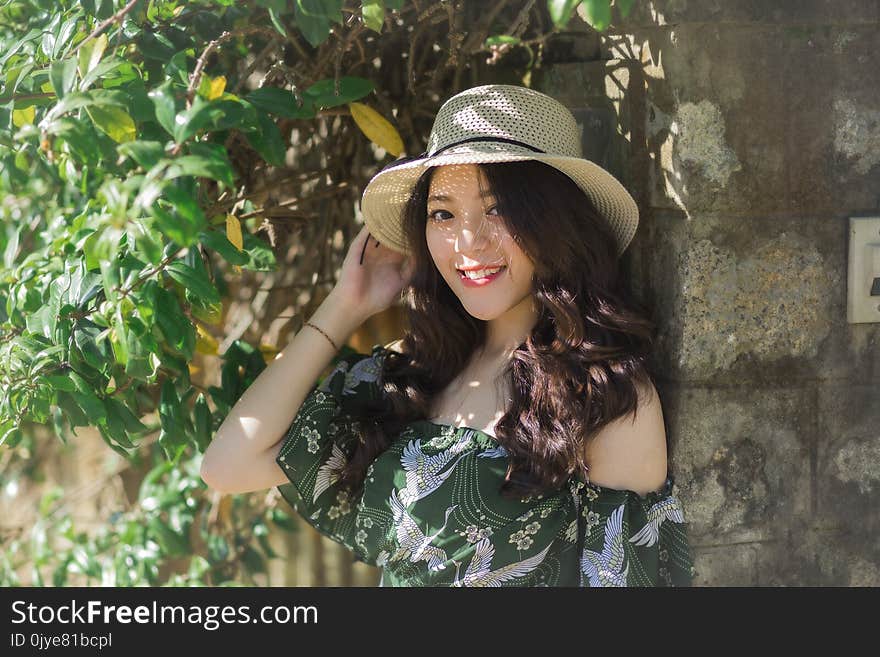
241 457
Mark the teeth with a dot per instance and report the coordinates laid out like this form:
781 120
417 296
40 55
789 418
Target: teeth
482 273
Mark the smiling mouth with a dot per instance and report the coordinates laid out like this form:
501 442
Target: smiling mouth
484 274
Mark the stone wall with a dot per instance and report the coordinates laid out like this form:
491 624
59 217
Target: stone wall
749 132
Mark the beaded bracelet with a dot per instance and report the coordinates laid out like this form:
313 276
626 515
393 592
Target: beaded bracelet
322 333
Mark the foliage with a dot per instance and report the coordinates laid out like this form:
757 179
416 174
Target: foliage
142 144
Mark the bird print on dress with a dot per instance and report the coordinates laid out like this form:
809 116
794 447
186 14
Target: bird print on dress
412 540
606 568
423 472
478 573
494 453
329 472
666 509
363 371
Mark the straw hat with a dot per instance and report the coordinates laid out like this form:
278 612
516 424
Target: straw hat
497 123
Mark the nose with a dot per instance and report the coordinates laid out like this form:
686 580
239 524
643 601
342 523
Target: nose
476 233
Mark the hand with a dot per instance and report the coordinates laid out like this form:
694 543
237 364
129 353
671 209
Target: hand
371 287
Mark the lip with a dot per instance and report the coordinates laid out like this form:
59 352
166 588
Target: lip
480 282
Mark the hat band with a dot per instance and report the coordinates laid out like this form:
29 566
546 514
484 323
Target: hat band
424 154
501 139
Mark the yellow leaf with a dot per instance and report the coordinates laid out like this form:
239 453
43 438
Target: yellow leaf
377 128
233 231
233 234
193 368
211 88
205 342
218 85
23 116
47 87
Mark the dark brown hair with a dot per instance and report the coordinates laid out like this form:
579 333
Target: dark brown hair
577 370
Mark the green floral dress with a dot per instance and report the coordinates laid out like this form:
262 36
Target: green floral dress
431 515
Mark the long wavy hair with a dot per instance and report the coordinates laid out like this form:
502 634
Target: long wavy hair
577 370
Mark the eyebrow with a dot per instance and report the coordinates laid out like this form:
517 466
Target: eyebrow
444 197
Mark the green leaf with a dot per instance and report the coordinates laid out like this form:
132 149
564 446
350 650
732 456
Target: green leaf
202 422
217 241
201 286
130 423
329 9
596 12
10 437
283 520
183 224
117 415
144 244
114 122
59 382
373 12
624 6
560 11
210 161
70 102
172 437
500 39
165 104
64 35
315 27
267 141
155 46
276 22
40 322
170 541
260 255
86 399
186 206
173 323
281 102
62 75
145 153
218 114
97 354
74 413
104 68
253 560
79 138
321 94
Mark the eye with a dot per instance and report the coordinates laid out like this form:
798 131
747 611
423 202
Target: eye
493 209
432 215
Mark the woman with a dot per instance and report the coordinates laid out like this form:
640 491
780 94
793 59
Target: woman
513 437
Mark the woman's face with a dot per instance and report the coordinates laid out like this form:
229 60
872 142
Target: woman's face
464 231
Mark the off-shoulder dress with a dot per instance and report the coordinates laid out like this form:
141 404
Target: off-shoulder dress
430 512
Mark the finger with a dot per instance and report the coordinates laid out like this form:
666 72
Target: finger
363 234
364 250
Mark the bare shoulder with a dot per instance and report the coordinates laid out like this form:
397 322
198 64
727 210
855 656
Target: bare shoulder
630 453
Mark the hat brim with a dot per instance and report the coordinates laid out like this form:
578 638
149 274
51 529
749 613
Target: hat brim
385 196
